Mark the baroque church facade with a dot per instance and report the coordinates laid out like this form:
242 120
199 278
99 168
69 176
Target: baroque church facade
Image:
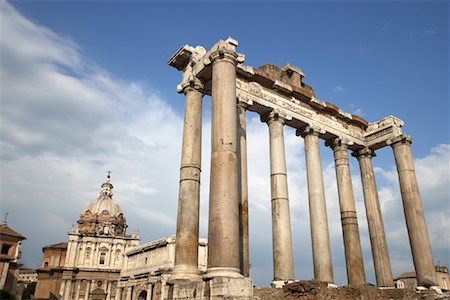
95 253
101 261
96 249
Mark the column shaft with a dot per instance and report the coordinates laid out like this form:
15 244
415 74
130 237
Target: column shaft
129 293
223 226
320 238
186 245
352 243
283 261
243 190
68 290
88 290
378 242
415 219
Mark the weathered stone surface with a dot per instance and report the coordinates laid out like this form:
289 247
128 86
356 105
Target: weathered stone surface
378 242
316 290
415 219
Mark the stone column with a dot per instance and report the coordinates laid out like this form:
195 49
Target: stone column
352 243
62 288
150 292
243 190
412 206
223 226
320 238
380 252
88 291
283 261
118 294
77 289
68 290
129 293
186 243
108 290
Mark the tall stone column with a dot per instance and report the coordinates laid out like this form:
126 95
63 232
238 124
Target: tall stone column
243 189
378 242
186 244
283 261
352 242
320 238
412 206
223 226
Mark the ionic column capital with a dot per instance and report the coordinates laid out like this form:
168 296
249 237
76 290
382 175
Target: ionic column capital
275 115
364 152
192 84
242 105
338 143
400 140
309 130
224 51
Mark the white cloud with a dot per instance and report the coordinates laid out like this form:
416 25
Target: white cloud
64 123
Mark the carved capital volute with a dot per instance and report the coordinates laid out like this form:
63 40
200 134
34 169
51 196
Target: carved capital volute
364 152
275 115
338 143
224 51
310 129
400 140
242 105
190 85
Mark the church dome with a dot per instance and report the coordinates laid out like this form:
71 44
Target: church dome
103 216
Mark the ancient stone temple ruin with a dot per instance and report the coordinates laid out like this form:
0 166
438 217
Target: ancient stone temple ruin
281 98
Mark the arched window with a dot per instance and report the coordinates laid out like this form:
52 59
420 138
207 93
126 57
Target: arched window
142 295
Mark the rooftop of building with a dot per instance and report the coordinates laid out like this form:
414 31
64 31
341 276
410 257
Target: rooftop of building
8 231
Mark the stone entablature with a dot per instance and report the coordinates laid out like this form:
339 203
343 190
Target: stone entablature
281 89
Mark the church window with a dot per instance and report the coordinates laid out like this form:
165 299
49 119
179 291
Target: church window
102 258
5 249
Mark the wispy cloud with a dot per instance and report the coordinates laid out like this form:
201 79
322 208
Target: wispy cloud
386 26
429 31
356 110
338 89
423 33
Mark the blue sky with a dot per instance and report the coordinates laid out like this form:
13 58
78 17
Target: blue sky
86 88
384 58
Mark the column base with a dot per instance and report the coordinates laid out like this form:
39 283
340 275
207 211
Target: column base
222 272
182 272
278 284
229 288
219 288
